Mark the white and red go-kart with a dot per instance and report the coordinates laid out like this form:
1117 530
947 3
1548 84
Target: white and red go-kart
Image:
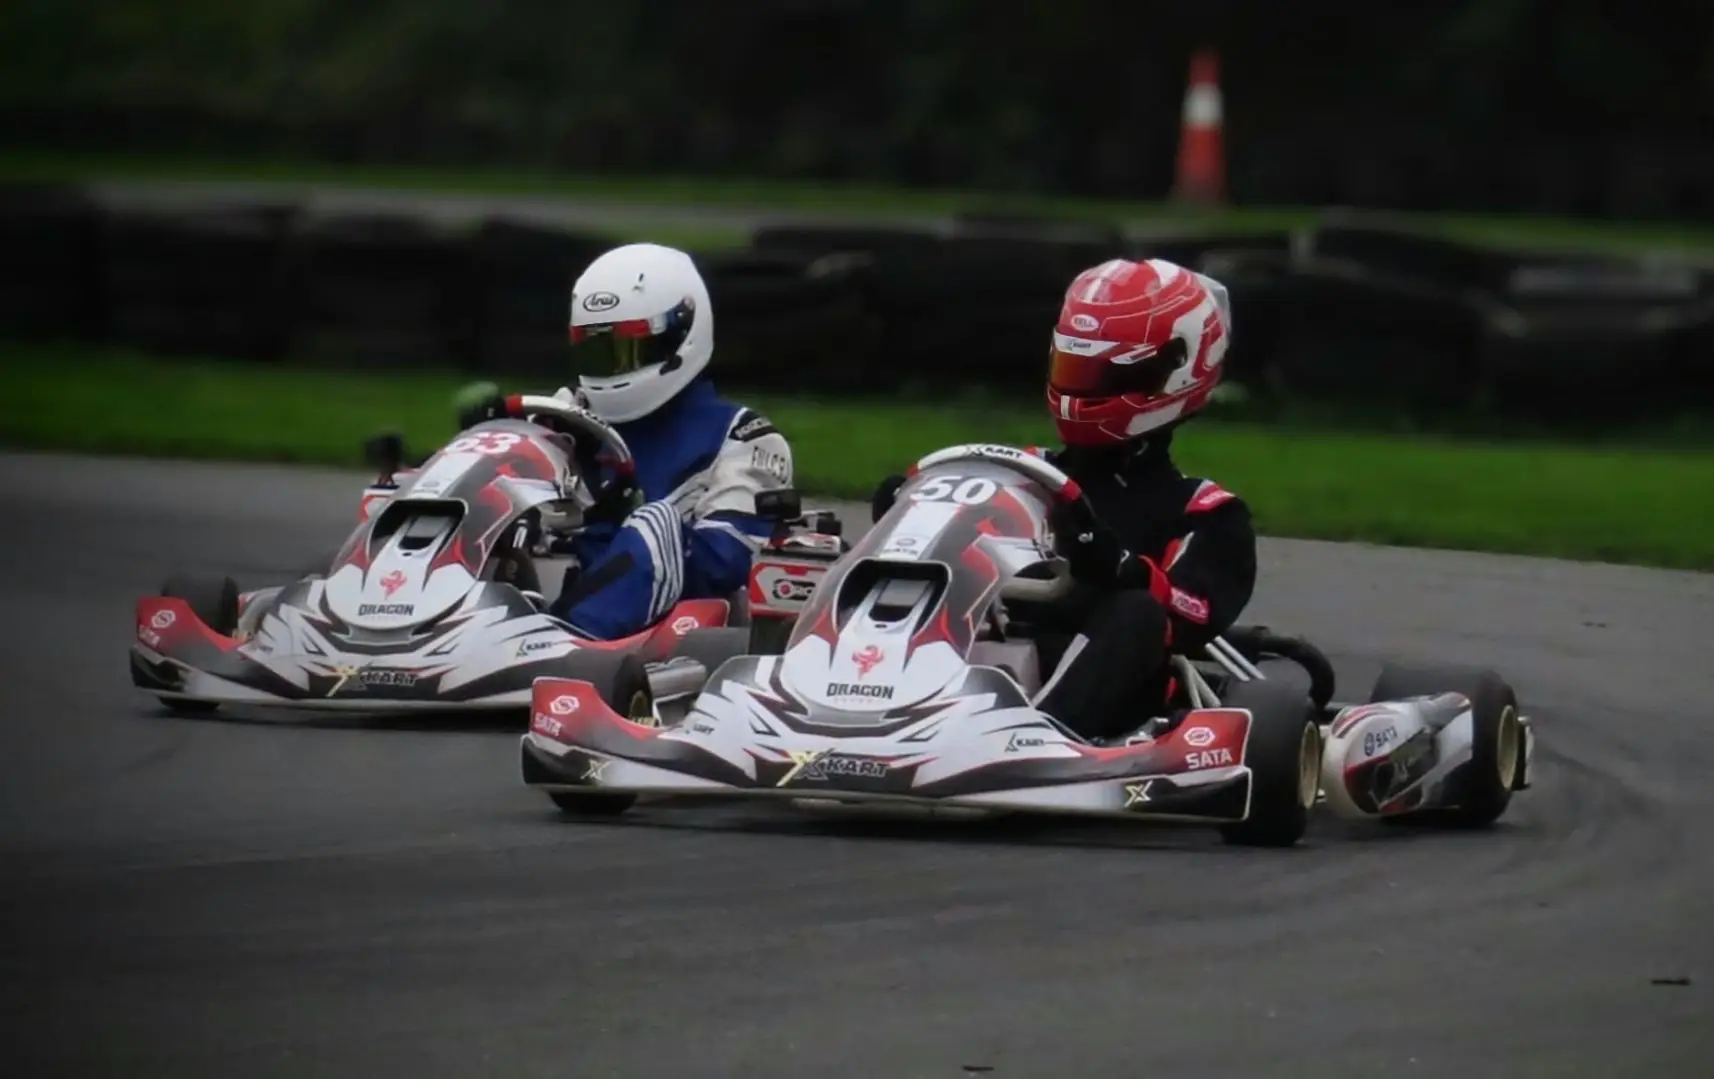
900 683
432 600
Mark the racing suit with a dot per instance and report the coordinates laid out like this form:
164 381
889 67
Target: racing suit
700 462
1190 572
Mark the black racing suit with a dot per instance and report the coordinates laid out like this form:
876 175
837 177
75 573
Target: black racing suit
1191 570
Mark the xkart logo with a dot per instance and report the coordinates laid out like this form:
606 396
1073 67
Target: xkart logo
821 765
385 676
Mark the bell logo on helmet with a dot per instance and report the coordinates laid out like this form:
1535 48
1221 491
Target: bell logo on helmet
600 301
1085 323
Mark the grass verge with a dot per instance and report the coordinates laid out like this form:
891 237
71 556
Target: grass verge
855 200
1614 503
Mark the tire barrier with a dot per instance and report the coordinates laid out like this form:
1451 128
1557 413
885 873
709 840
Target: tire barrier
521 292
1353 310
50 264
381 291
206 283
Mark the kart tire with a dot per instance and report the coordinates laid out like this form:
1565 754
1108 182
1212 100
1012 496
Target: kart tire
623 683
713 646
769 636
1478 793
214 600
1284 756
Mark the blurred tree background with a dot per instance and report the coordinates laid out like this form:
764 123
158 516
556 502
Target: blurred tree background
1561 106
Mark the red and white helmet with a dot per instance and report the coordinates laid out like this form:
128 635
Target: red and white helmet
1139 345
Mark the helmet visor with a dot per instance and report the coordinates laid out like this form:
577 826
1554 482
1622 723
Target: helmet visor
1104 375
616 349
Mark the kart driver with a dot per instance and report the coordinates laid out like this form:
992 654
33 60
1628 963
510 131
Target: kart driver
686 527
1168 561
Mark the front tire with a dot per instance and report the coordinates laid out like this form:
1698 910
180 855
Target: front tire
623 683
1284 757
1479 792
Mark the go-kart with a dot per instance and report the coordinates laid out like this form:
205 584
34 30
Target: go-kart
901 682
433 600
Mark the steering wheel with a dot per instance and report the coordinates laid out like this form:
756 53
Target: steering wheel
575 420
586 430
1062 488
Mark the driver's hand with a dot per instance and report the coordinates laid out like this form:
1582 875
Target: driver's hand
885 494
1091 549
477 403
616 502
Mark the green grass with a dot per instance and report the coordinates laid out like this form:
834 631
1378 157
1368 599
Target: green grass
1611 504
851 199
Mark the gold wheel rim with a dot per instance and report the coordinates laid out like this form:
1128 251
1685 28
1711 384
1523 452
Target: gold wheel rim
1308 765
1508 745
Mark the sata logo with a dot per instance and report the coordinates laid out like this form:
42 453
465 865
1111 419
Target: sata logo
1208 758
564 705
1375 741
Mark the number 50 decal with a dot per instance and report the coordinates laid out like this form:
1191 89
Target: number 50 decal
966 492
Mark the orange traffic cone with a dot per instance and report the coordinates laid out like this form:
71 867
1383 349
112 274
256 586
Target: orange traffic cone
1201 177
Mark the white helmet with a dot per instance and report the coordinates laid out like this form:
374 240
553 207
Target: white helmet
642 329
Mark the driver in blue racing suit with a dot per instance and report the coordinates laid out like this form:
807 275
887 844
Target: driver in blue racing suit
642 333
1165 562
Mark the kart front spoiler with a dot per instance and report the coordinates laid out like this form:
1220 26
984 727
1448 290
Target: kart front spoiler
577 743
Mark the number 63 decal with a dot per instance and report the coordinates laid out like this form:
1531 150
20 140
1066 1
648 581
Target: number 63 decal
492 442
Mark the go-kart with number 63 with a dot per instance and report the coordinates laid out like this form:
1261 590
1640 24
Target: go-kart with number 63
433 600
904 681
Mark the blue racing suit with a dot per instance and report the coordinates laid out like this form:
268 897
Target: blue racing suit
700 462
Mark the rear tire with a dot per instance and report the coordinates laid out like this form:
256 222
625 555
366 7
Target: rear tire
1482 789
214 600
1284 756
623 683
769 636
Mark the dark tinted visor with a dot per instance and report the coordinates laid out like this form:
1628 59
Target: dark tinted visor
1102 376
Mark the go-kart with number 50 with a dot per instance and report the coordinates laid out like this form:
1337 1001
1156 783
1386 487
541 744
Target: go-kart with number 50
904 681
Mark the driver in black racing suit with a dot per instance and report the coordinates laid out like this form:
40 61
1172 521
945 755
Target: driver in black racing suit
1167 561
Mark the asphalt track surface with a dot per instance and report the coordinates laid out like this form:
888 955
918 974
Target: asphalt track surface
280 898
